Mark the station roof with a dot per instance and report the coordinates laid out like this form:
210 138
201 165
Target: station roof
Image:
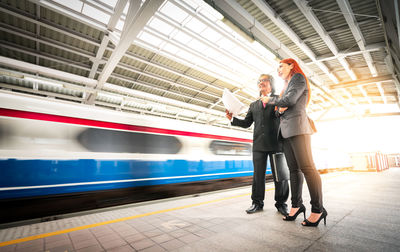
174 58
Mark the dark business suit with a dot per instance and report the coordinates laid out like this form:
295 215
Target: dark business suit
296 132
265 143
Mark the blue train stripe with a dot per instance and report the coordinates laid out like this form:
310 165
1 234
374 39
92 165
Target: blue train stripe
25 178
243 173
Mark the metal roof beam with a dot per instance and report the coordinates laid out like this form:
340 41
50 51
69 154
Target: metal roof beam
24 66
119 8
314 21
372 80
184 6
347 11
278 21
65 11
364 93
77 51
131 30
184 47
245 21
240 17
129 68
346 53
129 55
52 27
381 92
185 30
350 96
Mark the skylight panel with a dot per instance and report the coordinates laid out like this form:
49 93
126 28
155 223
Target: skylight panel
210 13
161 26
111 3
193 3
174 12
211 35
120 25
125 11
195 25
197 45
211 53
148 38
224 60
240 53
182 37
201 62
226 44
261 50
72 4
171 48
187 56
96 14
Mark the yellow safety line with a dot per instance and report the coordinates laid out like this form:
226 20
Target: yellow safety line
39 236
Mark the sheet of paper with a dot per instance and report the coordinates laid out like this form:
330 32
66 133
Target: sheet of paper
232 104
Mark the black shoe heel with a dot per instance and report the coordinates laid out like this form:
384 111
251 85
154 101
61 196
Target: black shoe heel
302 209
315 224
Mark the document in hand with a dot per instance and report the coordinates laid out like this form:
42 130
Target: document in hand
232 104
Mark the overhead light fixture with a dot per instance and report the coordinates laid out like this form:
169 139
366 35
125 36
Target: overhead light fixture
42 81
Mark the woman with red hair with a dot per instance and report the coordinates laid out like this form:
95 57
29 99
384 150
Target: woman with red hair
296 130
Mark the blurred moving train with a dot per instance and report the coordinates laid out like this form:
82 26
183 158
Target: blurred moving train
57 157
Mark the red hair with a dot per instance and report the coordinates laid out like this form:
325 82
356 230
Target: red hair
296 69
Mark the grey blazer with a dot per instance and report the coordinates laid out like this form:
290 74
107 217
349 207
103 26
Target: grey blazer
294 121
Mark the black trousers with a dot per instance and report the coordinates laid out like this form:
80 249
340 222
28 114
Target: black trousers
299 158
258 188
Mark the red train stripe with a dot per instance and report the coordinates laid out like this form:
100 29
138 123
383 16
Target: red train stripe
110 125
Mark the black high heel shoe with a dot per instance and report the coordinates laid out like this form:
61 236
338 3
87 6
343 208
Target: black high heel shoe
314 224
302 209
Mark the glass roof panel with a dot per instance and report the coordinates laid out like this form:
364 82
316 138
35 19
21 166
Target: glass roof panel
161 26
72 4
182 37
111 3
195 25
240 53
171 48
120 25
147 37
174 12
211 35
227 44
93 12
197 45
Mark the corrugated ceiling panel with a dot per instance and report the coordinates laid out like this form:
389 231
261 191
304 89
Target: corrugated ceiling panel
379 60
137 50
64 38
63 67
72 25
170 64
132 62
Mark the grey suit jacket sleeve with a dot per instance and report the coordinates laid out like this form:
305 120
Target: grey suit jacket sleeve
246 122
295 89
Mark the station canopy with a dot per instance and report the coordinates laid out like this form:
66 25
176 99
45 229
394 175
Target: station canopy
174 58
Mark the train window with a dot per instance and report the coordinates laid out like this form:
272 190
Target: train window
230 148
103 140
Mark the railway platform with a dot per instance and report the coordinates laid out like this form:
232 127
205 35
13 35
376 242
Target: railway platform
363 215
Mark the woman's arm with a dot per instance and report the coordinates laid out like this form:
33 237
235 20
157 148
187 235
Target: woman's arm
296 88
